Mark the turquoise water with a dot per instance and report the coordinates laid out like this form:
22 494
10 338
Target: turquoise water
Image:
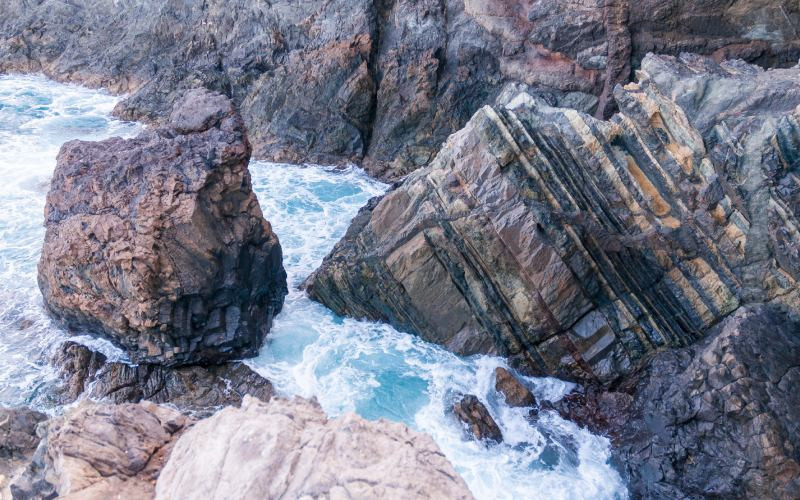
347 365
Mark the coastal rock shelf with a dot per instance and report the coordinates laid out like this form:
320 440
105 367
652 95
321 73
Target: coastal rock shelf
159 243
378 82
577 246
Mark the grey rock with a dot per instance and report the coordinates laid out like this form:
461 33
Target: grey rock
159 243
199 390
18 442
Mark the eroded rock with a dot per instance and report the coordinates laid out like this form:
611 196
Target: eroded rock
512 389
196 389
289 449
383 82
476 417
159 243
575 246
102 451
18 441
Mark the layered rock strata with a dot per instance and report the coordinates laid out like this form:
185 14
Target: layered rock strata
159 242
577 246
196 389
383 81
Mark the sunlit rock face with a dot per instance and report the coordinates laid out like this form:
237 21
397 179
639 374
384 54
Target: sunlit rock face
576 246
159 243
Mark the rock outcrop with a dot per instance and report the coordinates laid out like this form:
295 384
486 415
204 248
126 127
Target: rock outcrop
576 246
159 242
196 389
102 451
515 394
477 419
289 449
380 81
18 441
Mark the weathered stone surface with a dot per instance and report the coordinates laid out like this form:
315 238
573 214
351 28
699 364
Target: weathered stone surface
18 441
196 389
159 242
477 419
289 449
380 81
720 419
102 451
512 389
576 246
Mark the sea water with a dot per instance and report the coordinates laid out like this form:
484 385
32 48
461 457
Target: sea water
348 365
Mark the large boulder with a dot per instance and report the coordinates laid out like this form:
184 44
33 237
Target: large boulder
576 246
197 389
159 242
474 415
380 81
102 451
289 449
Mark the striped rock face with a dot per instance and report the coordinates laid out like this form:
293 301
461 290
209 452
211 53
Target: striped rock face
577 246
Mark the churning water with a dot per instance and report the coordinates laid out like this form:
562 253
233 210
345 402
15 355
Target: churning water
348 365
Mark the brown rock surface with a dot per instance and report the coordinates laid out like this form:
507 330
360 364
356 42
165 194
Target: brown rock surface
159 242
512 389
195 389
477 419
383 82
289 449
102 451
18 441
576 246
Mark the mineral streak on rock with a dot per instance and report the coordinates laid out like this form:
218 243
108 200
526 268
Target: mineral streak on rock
379 81
159 242
576 246
290 449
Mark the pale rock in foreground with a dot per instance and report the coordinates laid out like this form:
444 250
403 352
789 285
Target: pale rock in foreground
289 449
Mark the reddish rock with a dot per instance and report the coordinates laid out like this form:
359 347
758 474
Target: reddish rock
515 393
476 417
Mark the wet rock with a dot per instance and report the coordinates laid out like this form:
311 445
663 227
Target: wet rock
472 413
719 419
512 389
600 411
577 247
382 82
196 389
18 441
102 451
159 242
301 453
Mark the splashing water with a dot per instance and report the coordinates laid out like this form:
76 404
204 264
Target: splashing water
348 365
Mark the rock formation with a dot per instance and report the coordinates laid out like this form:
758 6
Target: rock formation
289 449
380 81
577 246
102 451
513 391
18 441
477 419
196 389
159 243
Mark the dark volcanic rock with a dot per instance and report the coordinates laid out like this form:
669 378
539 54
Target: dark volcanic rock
576 246
159 243
375 80
102 451
512 389
719 419
477 419
190 388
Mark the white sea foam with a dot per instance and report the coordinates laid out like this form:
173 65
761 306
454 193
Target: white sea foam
348 365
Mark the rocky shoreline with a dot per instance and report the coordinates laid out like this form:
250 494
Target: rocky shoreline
638 237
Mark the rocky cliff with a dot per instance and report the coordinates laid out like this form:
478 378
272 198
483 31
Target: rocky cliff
379 81
159 243
577 246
